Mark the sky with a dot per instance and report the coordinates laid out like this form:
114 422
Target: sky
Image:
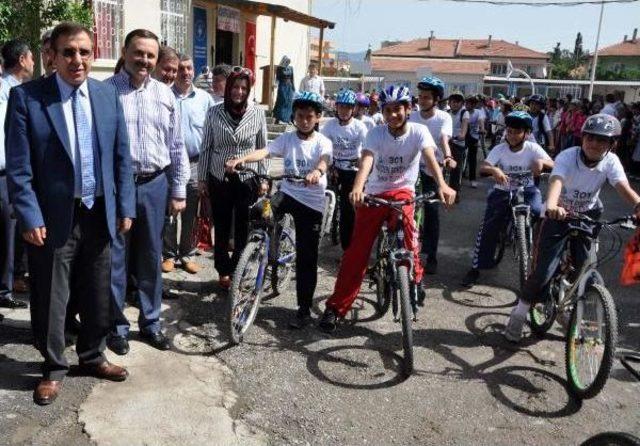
363 22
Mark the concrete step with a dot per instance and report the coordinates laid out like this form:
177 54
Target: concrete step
277 128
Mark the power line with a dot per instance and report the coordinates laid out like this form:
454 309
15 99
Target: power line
542 3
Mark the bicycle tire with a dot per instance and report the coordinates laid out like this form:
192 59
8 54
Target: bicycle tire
612 439
542 316
522 247
335 227
577 386
287 245
383 298
252 253
406 319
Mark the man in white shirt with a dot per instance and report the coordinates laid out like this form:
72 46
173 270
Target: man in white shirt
313 82
610 105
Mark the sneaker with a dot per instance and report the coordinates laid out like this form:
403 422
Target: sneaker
474 184
301 319
471 278
168 265
431 266
513 331
328 321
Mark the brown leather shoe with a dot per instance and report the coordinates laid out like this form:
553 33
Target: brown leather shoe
106 370
20 286
46 392
168 266
191 267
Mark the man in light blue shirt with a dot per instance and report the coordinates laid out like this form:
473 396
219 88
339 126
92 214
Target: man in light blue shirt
18 68
193 104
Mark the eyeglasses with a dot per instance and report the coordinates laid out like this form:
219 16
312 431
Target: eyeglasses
70 53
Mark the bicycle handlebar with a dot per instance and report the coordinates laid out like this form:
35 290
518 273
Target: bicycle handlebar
372 200
294 178
584 218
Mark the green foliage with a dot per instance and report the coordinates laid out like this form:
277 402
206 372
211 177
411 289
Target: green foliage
566 64
609 74
28 19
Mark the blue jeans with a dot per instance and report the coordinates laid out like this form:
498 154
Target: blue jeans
496 218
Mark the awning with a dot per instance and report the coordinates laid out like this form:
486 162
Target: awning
283 12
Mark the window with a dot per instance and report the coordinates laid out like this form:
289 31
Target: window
173 24
108 28
498 69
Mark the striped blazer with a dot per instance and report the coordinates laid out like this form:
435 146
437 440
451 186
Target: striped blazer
221 142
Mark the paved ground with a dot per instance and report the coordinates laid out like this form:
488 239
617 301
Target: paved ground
471 387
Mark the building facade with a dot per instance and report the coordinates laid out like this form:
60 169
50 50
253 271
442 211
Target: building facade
236 32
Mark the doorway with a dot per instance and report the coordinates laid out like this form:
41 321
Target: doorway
224 47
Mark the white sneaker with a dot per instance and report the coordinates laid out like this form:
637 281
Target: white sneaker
474 184
513 331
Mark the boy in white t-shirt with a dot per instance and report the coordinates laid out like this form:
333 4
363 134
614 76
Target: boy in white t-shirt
515 155
347 136
439 123
576 180
360 112
305 153
541 125
391 154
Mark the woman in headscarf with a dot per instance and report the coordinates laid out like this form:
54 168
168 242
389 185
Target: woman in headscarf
284 74
232 129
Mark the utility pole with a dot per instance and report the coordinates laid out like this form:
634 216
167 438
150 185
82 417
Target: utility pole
595 54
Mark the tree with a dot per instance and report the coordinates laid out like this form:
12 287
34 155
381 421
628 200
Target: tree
577 49
28 19
569 65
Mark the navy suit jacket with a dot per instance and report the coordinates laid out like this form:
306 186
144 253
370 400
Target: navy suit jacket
40 171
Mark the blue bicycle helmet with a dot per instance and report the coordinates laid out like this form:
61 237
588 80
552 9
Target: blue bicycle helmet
346 97
519 120
432 83
395 93
303 98
362 100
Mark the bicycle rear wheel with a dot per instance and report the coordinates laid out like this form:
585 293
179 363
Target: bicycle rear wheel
246 291
406 318
500 247
286 249
591 342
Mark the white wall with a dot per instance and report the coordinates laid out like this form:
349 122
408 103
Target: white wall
292 40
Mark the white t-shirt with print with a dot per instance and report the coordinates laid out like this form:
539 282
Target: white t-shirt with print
546 127
580 184
396 160
347 141
439 124
456 121
508 161
300 158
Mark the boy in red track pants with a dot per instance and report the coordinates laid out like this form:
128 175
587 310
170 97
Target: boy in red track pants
391 154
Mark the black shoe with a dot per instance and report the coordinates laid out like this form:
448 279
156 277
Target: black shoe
422 296
118 345
431 267
301 319
471 278
10 302
328 321
157 340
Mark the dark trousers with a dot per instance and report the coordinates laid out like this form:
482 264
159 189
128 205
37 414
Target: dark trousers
549 242
141 251
431 220
308 223
230 201
459 153
86 256
185 247
7 240
20 267
496 217
347 211
472 157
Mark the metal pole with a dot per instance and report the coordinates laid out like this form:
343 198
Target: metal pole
272 64
595 54
321 51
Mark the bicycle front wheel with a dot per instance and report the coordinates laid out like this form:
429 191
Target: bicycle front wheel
591 342
406 318
246 291
522 247
285 252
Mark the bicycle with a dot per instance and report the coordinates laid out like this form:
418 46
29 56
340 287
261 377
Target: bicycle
583 300
393 272
518 231
268 258
343 163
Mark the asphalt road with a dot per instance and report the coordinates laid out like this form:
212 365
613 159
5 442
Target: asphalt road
304 387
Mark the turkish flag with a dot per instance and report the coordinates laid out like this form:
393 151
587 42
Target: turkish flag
250 46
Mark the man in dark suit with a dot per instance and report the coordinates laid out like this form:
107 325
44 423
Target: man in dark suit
71 184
